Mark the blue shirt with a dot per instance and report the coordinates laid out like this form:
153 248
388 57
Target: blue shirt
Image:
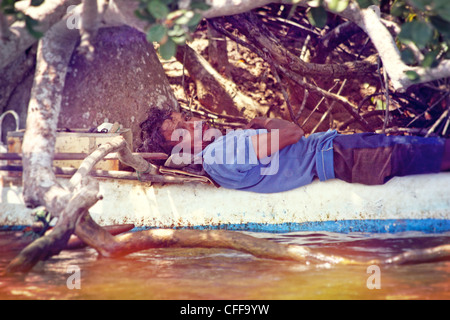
231 161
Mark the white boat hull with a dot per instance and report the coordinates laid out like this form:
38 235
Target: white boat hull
420 200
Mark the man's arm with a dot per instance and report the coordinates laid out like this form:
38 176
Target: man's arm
281 133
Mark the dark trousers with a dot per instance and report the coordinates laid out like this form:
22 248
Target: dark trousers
372 159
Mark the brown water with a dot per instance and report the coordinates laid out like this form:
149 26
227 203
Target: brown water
226 274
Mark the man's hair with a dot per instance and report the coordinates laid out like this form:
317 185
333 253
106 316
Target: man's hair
152 139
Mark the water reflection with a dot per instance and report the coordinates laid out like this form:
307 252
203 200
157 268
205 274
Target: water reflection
227 274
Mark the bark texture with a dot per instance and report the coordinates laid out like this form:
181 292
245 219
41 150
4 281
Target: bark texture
122 82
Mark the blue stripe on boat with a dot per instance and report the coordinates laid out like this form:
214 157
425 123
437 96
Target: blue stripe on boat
342 226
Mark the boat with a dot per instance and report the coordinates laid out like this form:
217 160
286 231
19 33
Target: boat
415 203
178 199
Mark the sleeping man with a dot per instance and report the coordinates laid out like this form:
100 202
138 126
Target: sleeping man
273 155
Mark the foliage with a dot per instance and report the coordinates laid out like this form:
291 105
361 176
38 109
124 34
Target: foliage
171 22
425 24
7 6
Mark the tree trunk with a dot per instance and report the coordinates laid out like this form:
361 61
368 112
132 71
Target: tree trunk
123 81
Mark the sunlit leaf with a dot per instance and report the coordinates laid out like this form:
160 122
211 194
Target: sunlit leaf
380 105
338 5
314 3
185 17
179 40
176 31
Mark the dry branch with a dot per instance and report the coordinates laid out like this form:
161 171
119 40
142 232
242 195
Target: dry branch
439 253
213 89
262 38
368 20
165 238
51 244
286 69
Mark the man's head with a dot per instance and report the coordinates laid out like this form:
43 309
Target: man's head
164 129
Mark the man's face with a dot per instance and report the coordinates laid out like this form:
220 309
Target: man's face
185 130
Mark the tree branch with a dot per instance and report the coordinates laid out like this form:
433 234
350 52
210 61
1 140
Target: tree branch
260 36
47 14
54 52
366 19
89 26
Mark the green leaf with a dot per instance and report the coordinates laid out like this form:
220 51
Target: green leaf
36 3
156 33
176 31
398 8
167 1
184 18
408 56
412 75
30 23
364 3
175 14
430 59
158 9
444 12
317 17
168 49
418 32
441 25
179 40
200 5
314 3
338 5
381 105
421 4
195 20
144 15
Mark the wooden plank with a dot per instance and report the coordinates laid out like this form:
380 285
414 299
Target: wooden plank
80 156
77 141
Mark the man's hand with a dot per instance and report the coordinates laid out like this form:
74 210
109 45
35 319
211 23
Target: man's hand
266 144
271 123
257 123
